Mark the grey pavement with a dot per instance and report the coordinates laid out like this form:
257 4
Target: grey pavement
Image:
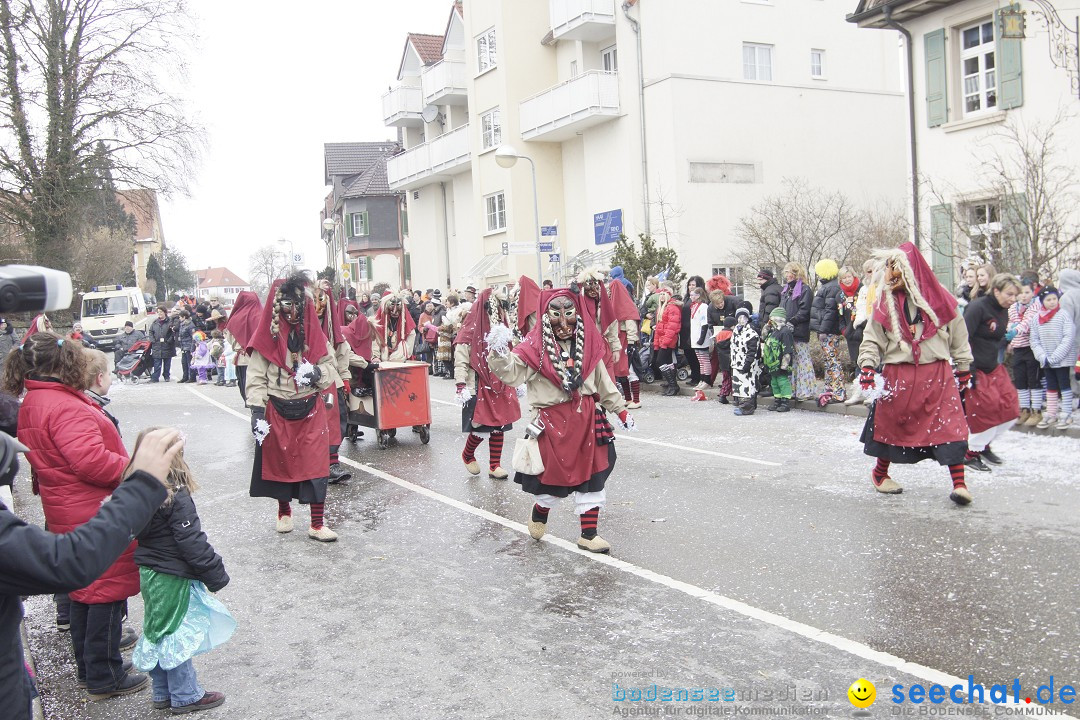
427 606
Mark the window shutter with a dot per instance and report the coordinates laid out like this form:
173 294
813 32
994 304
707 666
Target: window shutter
408 268
368 270
367 225
941 244
348 225
937 107
1009 67
1015 243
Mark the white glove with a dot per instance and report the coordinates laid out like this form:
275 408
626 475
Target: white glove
464 395
498 340
626 422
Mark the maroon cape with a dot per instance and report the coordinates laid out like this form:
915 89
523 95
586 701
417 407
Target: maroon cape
406 325
244 317
496 402
528 302
625 310
940 300
276 350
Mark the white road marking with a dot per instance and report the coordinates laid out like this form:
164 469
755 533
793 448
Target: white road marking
852 647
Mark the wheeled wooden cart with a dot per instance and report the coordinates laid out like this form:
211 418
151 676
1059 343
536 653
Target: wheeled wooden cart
400 398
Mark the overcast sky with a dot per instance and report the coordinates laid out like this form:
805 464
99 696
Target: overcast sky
272 82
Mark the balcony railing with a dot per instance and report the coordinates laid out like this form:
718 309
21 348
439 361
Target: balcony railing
402 106
446 155
563 111
586 20
445 82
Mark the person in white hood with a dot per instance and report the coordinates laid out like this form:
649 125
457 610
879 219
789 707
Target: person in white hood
1069 285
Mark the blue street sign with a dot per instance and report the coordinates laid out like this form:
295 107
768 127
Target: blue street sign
554 258
547 246
607 226
549 231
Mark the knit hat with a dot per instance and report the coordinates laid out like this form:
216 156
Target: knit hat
826 269
129 324
742 311
765 274
729 322
1049 290
778 314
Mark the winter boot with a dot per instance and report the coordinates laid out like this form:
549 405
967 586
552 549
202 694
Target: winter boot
775 405
672 388
1025 415
785 405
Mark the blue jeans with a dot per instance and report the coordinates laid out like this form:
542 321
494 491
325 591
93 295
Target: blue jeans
95 639
161 365
179 686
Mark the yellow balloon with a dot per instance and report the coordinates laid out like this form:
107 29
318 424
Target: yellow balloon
862 693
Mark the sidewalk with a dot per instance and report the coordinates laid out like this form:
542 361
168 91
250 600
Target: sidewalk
859 410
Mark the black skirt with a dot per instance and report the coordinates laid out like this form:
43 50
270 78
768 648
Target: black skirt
532 485
306 492
951 453
466 421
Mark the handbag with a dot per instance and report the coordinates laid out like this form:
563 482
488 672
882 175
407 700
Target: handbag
527 458
420 346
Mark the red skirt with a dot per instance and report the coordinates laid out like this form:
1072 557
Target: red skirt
923 409
297 450
622 365
568 446
333 417
992 401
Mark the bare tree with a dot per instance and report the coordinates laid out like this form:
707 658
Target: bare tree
266 265
805 224
668 212
79 78
1027 217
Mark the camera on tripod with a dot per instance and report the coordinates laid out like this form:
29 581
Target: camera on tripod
30 288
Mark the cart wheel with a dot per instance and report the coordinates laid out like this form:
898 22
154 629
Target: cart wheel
384 439
425 434
134 380
648 377
683 374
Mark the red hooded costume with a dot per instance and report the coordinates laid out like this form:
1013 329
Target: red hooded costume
405 325
244 318
494 405
625 310
528 302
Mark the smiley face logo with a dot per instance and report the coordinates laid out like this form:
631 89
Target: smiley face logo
862 693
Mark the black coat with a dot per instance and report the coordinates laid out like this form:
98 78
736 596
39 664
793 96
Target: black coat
986 323
825 311
770 300
163 338
174 543
797 309
34 561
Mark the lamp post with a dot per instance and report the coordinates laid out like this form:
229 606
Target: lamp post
506 156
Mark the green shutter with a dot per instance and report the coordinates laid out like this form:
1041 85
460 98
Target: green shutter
408 268
369 272
348 225
1009 67
367 226
937 101
941 244
404 221
1015 243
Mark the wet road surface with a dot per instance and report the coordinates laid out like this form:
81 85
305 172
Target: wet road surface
752 554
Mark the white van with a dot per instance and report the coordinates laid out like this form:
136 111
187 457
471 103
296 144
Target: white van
105 310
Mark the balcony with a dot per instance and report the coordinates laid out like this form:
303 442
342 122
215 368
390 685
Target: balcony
585 20
444 83
432 162
402 105
560 113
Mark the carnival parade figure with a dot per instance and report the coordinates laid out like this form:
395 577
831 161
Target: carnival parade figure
596 305
488 406
569 389
329 313
394 331
913 333
243 320
291 364
627 318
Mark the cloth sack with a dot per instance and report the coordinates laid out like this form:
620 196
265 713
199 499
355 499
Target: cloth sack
527 458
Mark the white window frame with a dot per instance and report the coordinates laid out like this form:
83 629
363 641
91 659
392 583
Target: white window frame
984 229
758 65
495 212
984 80
487 51
491 129
609 59
817 63
733 273
573 69
359 221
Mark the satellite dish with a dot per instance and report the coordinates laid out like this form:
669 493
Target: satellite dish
430 114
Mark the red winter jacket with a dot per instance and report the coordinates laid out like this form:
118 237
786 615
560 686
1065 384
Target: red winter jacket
666 330
78 457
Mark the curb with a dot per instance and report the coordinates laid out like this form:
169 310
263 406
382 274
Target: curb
861 410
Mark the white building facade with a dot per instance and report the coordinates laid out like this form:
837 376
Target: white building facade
984 70
738 96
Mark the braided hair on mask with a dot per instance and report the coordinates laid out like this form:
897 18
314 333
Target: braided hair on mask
493 310
571 376
294 288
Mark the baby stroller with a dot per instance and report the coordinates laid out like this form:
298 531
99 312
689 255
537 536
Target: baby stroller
137 362
642 360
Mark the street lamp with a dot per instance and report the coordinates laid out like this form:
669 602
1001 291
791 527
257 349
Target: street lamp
506 156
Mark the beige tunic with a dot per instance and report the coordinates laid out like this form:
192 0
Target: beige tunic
399 353
263 380
543 393
881 346
241 356
463 371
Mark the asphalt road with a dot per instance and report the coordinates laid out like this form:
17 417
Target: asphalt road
749 554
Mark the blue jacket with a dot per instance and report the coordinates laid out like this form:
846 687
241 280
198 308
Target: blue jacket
618 274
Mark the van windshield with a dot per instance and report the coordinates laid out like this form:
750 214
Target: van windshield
96 307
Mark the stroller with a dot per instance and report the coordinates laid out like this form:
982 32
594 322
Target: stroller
136 362
642 361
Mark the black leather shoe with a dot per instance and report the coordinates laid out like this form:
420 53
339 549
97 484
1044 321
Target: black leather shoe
338 475
976 463
991 457
132 683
